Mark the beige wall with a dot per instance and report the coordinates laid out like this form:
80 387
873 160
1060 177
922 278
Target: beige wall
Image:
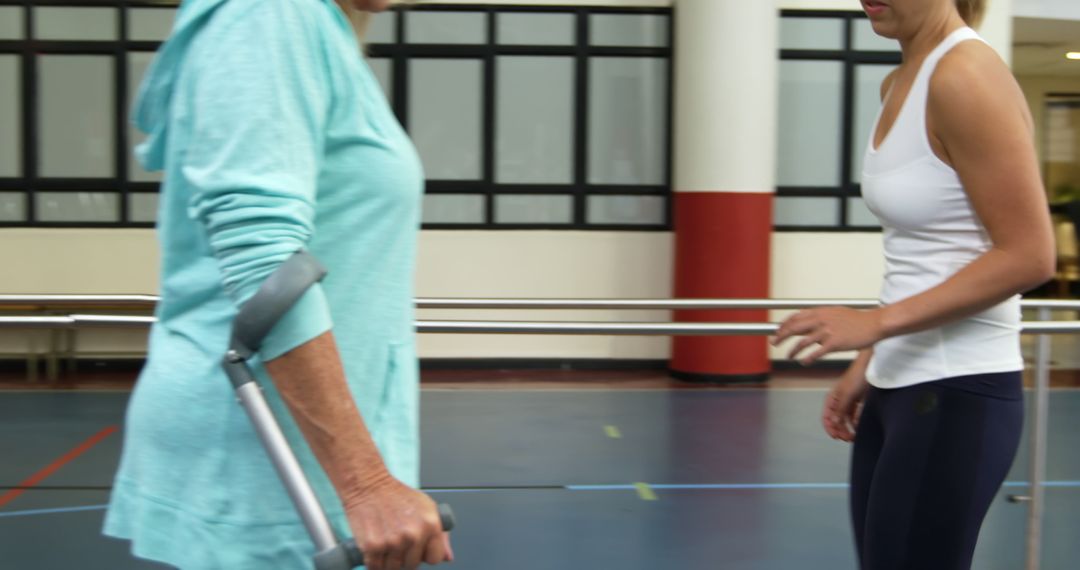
463 264
1055 9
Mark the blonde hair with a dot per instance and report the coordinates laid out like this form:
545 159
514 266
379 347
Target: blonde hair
972 11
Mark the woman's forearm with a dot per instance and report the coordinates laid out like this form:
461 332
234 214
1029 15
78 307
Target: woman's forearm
312 383
861 363
992 278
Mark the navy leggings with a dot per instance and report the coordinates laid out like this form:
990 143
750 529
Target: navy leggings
926 464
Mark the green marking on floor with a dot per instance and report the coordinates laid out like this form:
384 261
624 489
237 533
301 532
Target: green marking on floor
645 492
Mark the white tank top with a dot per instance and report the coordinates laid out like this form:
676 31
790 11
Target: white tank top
931 231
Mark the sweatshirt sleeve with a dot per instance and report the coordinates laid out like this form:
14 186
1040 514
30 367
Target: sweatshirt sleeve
259 98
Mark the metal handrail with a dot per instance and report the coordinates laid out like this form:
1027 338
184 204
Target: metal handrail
518 327
137 301
1037 462
147 301
36 322
641 304
1043 328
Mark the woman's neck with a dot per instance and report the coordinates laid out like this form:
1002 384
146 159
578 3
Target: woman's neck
929 35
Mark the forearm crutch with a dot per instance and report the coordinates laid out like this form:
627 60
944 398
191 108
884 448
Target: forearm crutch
258 315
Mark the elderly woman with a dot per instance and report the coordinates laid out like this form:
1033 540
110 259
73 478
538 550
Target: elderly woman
274 137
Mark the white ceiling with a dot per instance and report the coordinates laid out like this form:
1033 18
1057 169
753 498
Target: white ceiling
1039 47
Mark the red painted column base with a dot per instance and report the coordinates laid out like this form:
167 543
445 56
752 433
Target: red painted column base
722 249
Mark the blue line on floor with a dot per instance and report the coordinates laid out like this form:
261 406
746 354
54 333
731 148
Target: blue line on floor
659 487
771 486
53 511
711 487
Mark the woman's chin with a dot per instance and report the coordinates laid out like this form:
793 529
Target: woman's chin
884 29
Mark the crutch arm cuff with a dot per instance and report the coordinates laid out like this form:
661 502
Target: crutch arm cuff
293 283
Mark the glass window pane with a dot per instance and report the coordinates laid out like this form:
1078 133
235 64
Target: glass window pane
865 39
798 211
629 30
445 111
626 210
94 24
77 206
142 207
12 22
810 123
12 207
628 120
859 215
534 209
536 29
868 80
446 27
453 209
535 120
382 29
383 69
10 116
138 62
812 33
150 24
76 116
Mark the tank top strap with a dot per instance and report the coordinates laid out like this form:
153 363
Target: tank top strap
913 120
920 90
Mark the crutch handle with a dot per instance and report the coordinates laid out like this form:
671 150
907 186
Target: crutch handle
356 556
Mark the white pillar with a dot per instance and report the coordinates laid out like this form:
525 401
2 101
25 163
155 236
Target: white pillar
997 28
726 65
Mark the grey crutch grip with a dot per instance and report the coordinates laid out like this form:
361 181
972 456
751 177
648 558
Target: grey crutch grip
348 555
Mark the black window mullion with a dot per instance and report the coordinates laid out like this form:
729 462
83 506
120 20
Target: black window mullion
120 79
848 120
489 117
581 126
141 45
401 74
29 114
669 174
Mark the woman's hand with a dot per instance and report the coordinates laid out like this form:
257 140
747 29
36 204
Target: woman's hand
843 405
397 527
833 329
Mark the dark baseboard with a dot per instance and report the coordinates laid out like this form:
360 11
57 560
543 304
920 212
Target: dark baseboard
134 364
541 364
787 365
722 379
81 364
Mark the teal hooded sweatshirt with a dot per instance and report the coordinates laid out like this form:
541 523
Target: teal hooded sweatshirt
274 136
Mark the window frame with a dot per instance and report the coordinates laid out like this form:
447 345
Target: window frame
579 189
398 53
851 59
30 182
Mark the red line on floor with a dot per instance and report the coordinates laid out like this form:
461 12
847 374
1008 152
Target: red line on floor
56 465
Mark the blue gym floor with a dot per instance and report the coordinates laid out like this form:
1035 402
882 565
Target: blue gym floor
563 479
